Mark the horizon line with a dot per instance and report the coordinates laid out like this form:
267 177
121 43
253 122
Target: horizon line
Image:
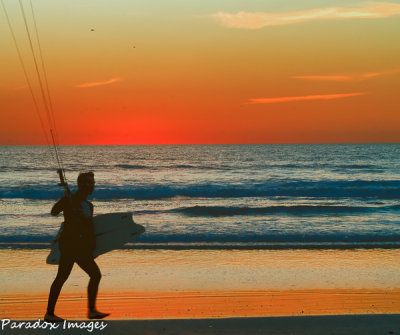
182 144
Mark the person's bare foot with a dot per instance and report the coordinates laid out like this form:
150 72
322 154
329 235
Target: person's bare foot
97 315
52 318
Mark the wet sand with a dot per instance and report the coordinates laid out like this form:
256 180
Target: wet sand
303 312
211 304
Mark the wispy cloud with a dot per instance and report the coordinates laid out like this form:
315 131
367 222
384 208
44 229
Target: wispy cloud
325 78
349 77
257 20
303 98
99 83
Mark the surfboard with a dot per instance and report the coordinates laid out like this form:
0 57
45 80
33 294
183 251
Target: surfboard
112 231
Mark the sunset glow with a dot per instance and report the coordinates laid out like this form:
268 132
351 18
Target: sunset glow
157 72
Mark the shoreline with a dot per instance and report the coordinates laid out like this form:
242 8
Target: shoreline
153 271
228 246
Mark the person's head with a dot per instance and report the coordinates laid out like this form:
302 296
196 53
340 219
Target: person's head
86 182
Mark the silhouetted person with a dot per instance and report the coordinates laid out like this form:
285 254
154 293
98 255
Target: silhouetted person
76 242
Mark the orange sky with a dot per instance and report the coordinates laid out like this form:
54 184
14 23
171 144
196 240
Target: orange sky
156 72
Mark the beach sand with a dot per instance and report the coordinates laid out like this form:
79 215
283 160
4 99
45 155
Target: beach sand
191 292
301 312
212 304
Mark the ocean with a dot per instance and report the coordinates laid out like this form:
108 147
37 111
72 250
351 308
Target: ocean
278 196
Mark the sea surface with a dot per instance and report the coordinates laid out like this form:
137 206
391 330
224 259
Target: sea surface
319 196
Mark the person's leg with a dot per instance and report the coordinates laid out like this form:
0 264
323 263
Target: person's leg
87 263
64 270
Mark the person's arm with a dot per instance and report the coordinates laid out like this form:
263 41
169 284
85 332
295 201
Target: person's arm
62 205
58 207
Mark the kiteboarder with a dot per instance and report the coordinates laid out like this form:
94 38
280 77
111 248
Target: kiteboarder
77 242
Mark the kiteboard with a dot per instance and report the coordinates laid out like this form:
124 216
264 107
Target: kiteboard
112 231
